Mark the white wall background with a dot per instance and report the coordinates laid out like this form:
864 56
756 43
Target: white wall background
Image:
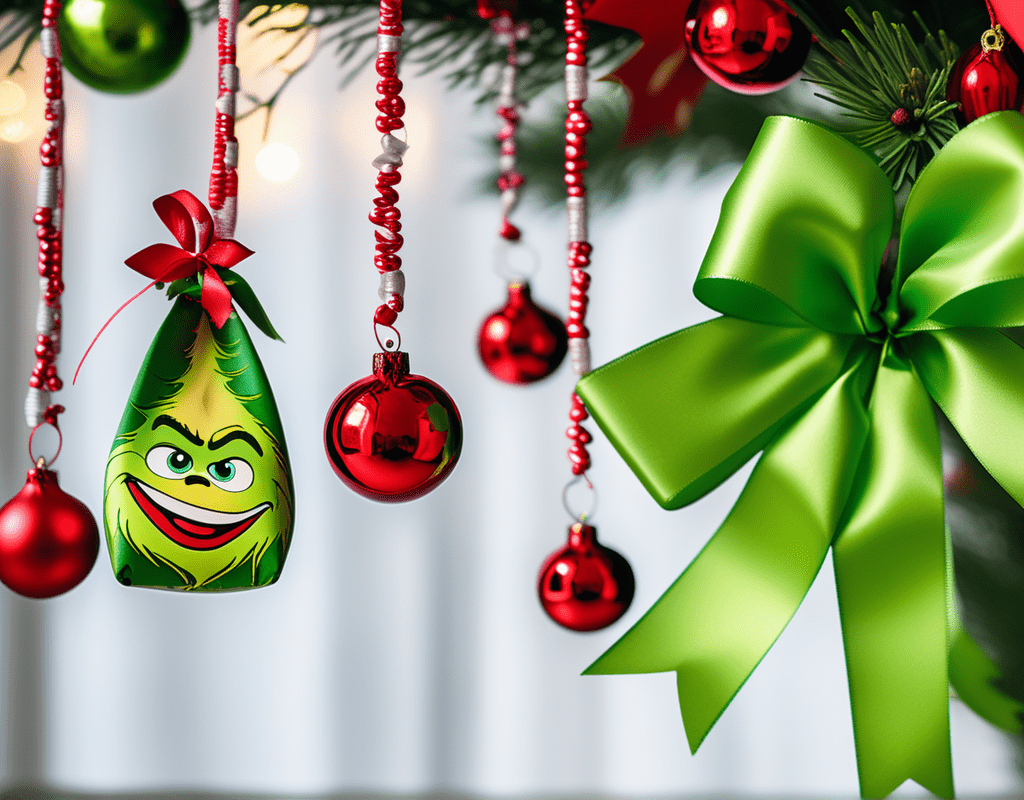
403 649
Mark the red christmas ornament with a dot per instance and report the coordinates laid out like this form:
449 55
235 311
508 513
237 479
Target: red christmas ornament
522 342
985 78
747 46
48 539
661 80
393 436
585 586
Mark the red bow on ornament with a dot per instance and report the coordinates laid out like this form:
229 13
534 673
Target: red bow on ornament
188 219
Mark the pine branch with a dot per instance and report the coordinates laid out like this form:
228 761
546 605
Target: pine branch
892 88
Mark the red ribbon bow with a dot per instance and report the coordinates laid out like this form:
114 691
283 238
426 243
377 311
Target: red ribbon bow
188 219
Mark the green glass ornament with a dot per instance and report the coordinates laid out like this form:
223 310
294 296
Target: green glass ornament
123 46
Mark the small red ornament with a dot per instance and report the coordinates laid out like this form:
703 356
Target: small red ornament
48 539
747 46
985 78
585 586
522 342
393 436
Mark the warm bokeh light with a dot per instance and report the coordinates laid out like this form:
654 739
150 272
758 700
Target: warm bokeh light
14 130
12 98
277 162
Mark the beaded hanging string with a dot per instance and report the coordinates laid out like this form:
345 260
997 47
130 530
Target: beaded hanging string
577 126
385 214
505 31
50 232
224 174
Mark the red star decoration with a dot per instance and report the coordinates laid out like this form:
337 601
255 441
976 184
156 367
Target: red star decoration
660 78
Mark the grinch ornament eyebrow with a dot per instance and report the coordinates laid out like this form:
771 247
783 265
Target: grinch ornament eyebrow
236 435
172 423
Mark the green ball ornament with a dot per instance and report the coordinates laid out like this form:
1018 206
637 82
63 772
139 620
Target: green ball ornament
123 46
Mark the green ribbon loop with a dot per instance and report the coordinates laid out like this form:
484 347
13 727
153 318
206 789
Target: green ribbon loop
826 362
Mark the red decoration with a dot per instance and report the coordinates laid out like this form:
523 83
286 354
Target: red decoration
985 78
747 46
393 436
522 342
585 586
1010 14
661 80
188 219
48 539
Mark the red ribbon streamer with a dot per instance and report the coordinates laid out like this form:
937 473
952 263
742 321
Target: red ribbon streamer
191 224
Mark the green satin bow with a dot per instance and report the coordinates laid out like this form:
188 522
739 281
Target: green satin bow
827 365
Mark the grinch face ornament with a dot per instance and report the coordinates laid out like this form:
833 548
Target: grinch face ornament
198 490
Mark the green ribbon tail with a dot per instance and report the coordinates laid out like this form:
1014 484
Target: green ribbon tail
890 565
974 675
976 375
719 619
688 410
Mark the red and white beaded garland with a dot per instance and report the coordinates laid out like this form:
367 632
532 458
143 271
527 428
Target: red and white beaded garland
584 586
392 436
223 175
49 219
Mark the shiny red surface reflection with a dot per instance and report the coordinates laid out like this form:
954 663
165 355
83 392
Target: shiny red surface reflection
522 342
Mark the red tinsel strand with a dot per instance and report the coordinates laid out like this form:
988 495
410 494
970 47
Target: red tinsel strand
224 174
991 13
390 107
44 378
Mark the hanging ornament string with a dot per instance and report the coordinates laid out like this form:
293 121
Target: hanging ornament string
385 214
50 232
577 126
224 174
505 31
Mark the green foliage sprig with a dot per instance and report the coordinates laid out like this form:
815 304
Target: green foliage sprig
893 88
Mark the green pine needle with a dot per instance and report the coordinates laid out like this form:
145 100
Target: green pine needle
882 73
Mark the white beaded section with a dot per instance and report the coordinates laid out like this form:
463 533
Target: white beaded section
509 200
226 104
50 43
507 89
577 213
224 218
231 154
57 218
579 355
391 284
392 149
228 10
507 162
229 77
575 83
388 44
46 191
44 316
36 402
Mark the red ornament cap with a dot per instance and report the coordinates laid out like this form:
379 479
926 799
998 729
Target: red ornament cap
585 586
48 540
393 436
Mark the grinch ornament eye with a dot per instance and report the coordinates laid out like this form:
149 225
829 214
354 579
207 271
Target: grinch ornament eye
231 474
168 462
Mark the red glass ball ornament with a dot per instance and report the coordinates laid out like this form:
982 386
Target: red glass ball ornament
393 436
585 586
747 46
48 539
522 342
985 79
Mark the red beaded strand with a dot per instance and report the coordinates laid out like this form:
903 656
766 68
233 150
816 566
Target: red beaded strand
49 231
577 126
223 193
385 214
504 30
